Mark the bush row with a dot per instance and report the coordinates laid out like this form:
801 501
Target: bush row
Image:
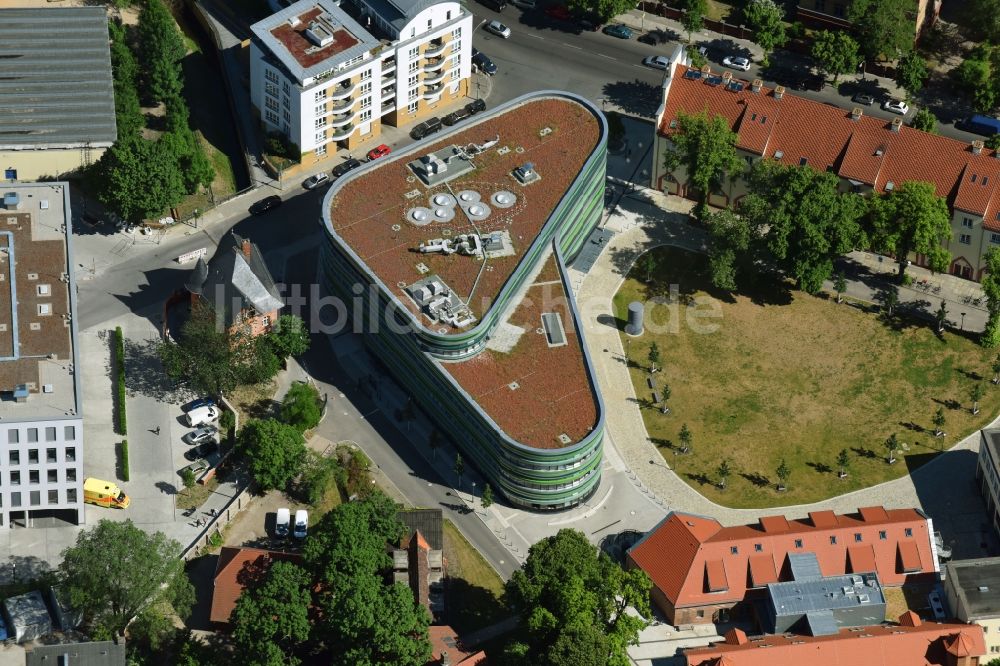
120 379
124 454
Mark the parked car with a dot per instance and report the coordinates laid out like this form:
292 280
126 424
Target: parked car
200 435
196 403
589 23
281 520
425 128
476 106
896 106
498 29
202 450
197 467
456 116
980 124
312 182
524 4
202 416
654 37
558 12
347 165
863 98
378 151
656 62
301 527
618 30
737 62
483 62
265 205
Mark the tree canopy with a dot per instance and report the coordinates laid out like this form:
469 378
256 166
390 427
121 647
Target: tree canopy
980 20
706 148
116 570
275 451
693 18
766 19
163 47
271 617
835 52
301 407
991 288
974 77
911 218
604 10
911 72
569 595
884 27
290 336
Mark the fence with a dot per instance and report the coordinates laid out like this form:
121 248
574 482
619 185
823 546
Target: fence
239 501
731 30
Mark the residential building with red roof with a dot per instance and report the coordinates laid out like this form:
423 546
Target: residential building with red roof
704 572
911 642
869 154
447 649
235 570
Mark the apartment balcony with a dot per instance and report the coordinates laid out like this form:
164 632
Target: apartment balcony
341 133
432 91
433 64
342 119
388 67
341 104
387 107
435 48
431 79
388 94
343 90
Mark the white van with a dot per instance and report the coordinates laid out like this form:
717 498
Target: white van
301 524
202 415
281 523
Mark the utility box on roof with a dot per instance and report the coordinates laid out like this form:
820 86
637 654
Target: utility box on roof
27 616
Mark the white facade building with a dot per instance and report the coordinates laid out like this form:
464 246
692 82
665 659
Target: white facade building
327 75
41 429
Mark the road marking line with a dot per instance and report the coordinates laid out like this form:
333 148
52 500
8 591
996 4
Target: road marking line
604 55
529 34
573 46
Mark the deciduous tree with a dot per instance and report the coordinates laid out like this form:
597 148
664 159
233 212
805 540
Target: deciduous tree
732 248
835 52
271 617
939 422
884 27
274 450
843 462
924 120
693 18
301 407
891 446
783 472
290 336
605 10
487 497
991 289
706 148
723 471
654 356
685 438
767 20
975 395
912 218
840 285
115 570
911 72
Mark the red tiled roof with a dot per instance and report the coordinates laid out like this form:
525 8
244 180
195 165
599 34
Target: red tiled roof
715 572
682 554
444 639
883 645
909 556
235 569
866 150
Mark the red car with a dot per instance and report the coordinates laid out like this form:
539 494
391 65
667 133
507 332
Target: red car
558 12
377 152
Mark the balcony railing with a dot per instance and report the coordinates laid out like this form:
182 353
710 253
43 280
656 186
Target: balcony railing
341 120
435 49
432 91
388 67
342 132
341 104
343 90
431 79
433 64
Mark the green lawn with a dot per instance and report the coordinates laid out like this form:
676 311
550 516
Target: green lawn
797 377
474 588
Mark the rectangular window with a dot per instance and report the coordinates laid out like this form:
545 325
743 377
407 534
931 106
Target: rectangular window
32 456
365 116
32 434
285 88
15 478
69 433
965 239
412 81
447 16
53 497
414 66
271 117
71 495
908 531
967 222
366 102
285 101
33 477
734 550
50 455
15 499
366 88
995 239
412 108
320 137
271 89
454 74
414 51
271 75
798 543
13 436
320 110
35 498
758 547
287 116
271 103
15 457
320 122
881 535
456 46
50 434
857 537
321 150
365 75
71 474
52 476
456 33
429 24
70 454
320 95
833 541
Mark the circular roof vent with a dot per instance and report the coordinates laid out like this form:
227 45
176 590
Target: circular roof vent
478 211
443 199
419 216
468 196
444 214
503 199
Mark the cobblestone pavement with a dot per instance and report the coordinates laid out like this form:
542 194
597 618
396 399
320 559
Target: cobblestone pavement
645 219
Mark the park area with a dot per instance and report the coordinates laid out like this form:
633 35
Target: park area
796 378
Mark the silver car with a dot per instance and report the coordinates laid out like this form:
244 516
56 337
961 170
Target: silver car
202 434
498 29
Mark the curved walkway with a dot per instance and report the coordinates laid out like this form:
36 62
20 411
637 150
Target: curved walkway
945 487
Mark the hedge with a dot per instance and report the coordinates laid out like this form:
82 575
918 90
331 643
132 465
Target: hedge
125 472
120 379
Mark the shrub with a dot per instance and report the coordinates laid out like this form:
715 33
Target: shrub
124 455
227 423
120 379
301 407
187 477
318 474
215 539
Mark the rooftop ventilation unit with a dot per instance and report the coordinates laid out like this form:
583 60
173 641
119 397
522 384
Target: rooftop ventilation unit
318 35
294 21
11 201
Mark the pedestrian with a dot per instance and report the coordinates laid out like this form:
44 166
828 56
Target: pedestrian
212 512
157 431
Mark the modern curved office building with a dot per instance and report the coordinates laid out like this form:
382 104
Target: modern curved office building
451 257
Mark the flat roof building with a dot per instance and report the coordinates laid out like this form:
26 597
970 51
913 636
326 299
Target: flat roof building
327 74
40 412
972 588
454 254
988 473
57 101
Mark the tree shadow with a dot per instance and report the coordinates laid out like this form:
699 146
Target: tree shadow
661 443
633 97
165 487
462 509
144 373
700 478
471 607
820 467
948 403
262 409
863 452
969 374
913 427
659 36
756 479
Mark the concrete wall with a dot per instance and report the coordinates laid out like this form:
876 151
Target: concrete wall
48 164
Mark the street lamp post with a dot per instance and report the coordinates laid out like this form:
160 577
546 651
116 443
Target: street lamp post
862 67
473 495
963 322
196 218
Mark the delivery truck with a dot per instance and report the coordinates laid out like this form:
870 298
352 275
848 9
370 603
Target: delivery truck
104 493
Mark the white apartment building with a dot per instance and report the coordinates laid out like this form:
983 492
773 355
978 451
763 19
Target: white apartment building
41 429
327 74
